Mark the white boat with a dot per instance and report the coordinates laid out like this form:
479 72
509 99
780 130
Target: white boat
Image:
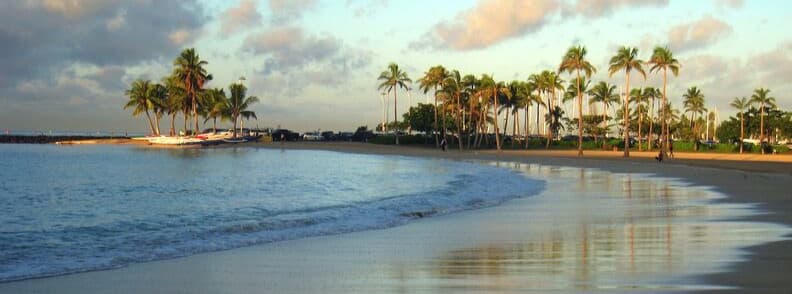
176 140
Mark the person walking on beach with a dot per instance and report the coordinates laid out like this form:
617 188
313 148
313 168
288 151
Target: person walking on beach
671 149
443 144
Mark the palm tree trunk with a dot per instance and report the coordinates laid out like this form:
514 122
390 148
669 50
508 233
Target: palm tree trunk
235 125
434 125
495 109
549 108
626 115
505 125
459 122
742 132
151 125
195 113
214 125
156 123
604 123
395 117
664 127
527 130
580 116
173 125
640 122
651 123
761 128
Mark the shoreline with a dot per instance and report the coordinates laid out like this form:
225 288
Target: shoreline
743 182
734 179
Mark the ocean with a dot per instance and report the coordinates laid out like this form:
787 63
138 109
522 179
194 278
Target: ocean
68 209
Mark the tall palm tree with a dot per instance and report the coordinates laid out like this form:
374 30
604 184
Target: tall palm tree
694 104
140 99
741 104
190 69
238 104
392 79
626 59
575 61
760 96
606 94
663 58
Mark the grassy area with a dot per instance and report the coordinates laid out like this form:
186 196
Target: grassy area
538 144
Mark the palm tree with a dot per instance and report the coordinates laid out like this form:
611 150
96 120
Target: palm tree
160 97
694 104
554 120
238 104
216 106
607 95
575 61
140 98
176 99
663 58
651 93
626 59
392 79
550 82
760 96
454 85
741 104
433 79
639 99
190 69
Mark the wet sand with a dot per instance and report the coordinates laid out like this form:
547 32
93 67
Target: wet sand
589 231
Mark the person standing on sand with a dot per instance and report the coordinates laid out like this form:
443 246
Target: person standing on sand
671 149
443 144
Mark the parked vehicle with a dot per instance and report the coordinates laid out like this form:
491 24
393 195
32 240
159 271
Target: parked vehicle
287 135
312 136
329 136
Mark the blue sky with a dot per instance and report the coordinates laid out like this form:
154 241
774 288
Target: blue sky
314 63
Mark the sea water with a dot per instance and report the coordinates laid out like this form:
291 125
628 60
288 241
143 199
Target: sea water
66 209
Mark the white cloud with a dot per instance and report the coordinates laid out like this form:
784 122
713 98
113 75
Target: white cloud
698 34
488 23
240 17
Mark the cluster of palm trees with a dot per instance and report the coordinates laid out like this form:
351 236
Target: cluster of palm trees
760 97
183 92
474 104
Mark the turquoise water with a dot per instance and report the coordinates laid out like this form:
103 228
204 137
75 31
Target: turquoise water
69 209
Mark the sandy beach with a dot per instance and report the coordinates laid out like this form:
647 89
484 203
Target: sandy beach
614 239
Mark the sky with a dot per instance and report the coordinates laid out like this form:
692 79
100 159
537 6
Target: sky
65 64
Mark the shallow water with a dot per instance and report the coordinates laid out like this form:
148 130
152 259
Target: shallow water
67 209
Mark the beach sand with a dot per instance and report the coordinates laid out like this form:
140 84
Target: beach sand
589 231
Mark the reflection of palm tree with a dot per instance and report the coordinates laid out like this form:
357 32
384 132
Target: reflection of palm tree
190 69
575 60
741 104
238 104
392 79
663 58
140 98
760 97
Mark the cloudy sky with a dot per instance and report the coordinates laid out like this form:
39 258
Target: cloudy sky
64 64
